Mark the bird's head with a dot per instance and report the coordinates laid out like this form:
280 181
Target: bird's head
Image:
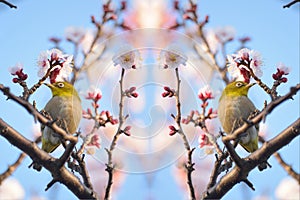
237 88
62 89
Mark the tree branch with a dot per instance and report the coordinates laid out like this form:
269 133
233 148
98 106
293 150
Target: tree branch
8 3
291 3
110 166
10 170
59 173
189 164
239 174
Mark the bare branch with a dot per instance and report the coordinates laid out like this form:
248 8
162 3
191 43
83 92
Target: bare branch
287 167
10 170
8 3
110 166
291 3
60 174
189 165
284 165
239 174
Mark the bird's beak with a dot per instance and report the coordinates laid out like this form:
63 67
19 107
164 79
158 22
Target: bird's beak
250 85
49 85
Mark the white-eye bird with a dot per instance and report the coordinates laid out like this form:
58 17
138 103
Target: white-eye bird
65 108
234 108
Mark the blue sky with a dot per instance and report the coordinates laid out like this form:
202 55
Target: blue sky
24 34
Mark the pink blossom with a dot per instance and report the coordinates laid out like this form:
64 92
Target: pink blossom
203 140
127 58
205 93
95 141
126 130
169 92
131 92
281 71
94 94
60 64
239 64
172 59
173 130
17 70
283 68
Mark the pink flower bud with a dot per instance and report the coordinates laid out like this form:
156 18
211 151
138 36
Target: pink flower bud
173 130
126 130
15 80
123 5
284 79
135 95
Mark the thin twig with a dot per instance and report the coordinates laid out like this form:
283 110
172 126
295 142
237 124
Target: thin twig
110 166
12 168
288 168
291 3
189 165
48 162
9 4
239 174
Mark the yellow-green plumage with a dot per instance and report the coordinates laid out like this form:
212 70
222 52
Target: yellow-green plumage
234 108
64 106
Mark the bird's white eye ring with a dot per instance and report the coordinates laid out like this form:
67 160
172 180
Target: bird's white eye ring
60 85
238 84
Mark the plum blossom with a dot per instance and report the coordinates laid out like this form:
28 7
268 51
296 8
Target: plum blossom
204 140
94 94
17 70
95 141
131 92
173 130
205 93
127 58
60 64
126 130
246 60
282 70
168 92
172 59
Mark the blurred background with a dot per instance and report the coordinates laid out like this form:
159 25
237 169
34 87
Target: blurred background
149 162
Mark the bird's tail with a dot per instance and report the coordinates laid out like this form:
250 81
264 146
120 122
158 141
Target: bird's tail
250 146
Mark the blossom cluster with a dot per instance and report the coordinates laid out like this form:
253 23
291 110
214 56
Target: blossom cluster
55 64
104 117
199 118
17 71
131 92
245 64
171 58
282 70
127 58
